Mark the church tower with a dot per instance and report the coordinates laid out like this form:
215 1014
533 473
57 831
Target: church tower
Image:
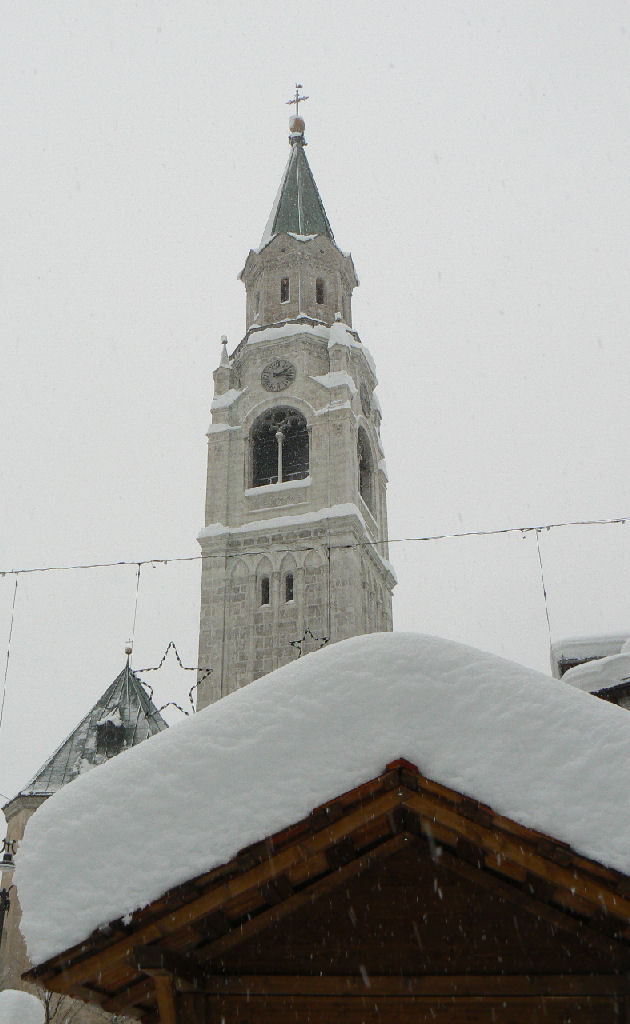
295 542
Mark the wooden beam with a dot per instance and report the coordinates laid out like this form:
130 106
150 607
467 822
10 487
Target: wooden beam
517 852
165 997
415 1009
141 992
440 818
512 893
211 951
440 985
309 894
98 963
152 959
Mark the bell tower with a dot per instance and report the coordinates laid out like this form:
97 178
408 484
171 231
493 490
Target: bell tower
295 539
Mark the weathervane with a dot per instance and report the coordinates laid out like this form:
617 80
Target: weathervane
297 99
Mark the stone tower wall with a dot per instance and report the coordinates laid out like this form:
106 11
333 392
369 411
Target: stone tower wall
300 382
255 531
303 262
341 588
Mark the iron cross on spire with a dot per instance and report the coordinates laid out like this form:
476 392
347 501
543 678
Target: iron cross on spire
297 99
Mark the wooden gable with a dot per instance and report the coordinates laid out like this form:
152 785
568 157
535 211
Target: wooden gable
401 900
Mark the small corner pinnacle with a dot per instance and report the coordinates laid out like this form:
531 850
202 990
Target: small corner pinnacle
225 361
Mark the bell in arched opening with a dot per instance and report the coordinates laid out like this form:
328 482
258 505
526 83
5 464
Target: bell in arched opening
279 447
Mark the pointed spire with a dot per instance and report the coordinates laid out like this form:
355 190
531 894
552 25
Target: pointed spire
298 207
225 359
126 706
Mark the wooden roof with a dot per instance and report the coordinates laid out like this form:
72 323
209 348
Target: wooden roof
399 890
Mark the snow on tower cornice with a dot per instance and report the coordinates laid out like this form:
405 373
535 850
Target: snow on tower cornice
297 208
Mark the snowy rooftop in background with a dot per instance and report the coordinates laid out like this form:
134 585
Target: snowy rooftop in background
536 750
602 672
585 648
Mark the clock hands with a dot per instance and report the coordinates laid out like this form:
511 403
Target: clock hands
277 375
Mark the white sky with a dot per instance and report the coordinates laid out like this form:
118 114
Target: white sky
473 157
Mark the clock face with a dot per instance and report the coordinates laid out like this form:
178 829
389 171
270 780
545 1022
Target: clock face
277 375
365 399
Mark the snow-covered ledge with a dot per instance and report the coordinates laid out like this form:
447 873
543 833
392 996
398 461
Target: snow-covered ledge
286 485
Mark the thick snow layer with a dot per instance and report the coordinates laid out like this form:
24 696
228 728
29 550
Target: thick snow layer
287 330
218 428
286 485
335 379
334 405
188 799
303 519
20 1008
341 334
299 519
338 334
224 401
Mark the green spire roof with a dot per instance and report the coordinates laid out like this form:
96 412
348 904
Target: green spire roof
298 207
121 718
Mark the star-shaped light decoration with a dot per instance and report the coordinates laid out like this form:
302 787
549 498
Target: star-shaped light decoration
187 668
308 637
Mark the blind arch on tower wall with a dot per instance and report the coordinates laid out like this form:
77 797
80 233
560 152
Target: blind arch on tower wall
279 447
367 476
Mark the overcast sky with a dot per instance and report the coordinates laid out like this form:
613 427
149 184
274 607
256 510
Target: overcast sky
473 157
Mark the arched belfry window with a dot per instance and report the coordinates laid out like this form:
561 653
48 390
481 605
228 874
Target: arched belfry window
279 447
366 470
319 291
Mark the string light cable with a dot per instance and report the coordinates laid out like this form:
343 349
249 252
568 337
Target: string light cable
426 538
536 529
8 654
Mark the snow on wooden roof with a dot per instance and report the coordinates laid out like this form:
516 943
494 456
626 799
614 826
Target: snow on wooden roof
273 926
537 751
